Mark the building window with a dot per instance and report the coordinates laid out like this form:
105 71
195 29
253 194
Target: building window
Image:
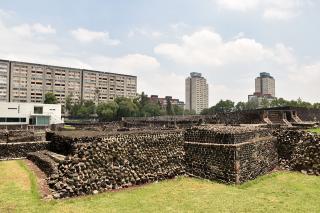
13 120
38 110
2 119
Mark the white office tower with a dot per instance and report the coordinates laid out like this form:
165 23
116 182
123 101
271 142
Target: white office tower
196 92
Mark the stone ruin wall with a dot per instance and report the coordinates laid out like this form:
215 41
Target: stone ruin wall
230 155
101 163
16 144
21 149
93 164
299 151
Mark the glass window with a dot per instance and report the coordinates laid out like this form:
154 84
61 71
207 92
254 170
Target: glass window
38 110
2 119
23 120
13 120
42 120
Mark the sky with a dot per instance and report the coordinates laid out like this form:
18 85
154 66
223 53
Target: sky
229 41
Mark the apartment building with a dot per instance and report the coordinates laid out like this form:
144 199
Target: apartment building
264 89
102 86
197 92
4 80
29 82
163 101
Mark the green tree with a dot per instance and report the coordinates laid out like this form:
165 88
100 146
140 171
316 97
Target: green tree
50 98
169 108
152 109
69 103
127 108
265 103
224 106
252 104
107 111
178 110
240 106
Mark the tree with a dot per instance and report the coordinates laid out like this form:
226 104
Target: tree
169 108
152 109
224 106
240 106
178 110
252 104
107 111
69 103
83 109
126 108
265 103
50 98
189 112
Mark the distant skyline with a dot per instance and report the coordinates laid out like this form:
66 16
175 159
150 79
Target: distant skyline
229 41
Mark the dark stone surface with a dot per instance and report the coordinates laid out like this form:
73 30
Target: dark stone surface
20 150
102 163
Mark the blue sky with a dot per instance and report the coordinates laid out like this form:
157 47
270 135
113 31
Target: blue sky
229 41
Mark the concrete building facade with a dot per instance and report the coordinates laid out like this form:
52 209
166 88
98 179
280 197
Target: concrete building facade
265 85
102 86
197 92
264 89
163 101
29 82
30 114
4 80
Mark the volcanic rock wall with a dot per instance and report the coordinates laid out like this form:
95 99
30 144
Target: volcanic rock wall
106 162
299 151
13 136
231 155
20 150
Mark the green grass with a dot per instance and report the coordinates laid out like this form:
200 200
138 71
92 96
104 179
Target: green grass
277 192
315 130
68 127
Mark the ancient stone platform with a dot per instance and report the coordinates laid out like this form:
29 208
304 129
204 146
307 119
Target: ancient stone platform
229 154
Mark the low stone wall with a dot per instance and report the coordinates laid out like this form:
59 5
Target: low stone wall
229 154
16 136
224 134
106 162
20 150
299 151
255 158
44 161
210 161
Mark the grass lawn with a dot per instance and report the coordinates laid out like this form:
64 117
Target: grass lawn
315 130
277 192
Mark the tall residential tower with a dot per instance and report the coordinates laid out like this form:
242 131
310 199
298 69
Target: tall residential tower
196 92
264 88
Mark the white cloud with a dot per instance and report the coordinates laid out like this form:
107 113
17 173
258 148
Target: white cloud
206 47
39 28
128 64
87 36
33 30
242 5
152 34
271 9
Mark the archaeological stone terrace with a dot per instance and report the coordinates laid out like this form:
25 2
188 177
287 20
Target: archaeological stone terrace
88 162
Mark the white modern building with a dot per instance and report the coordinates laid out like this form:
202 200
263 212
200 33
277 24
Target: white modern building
197 92
30 114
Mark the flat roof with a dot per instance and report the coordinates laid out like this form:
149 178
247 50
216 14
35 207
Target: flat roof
80 69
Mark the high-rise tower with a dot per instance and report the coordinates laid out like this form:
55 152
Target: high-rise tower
196 92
